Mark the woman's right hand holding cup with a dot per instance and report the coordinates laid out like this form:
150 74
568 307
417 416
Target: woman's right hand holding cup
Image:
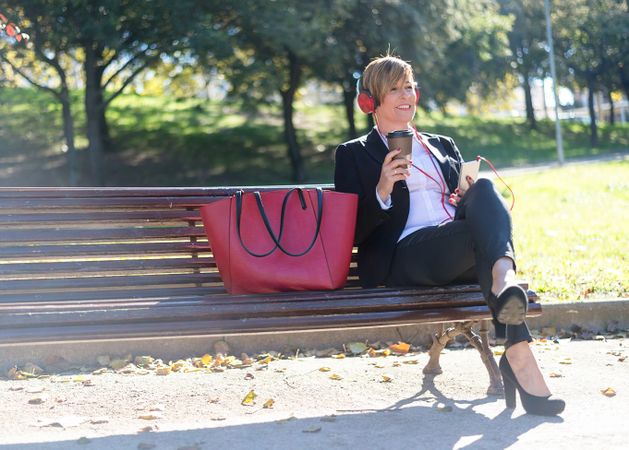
393 170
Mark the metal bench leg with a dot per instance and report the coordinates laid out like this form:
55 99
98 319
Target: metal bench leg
439 341
481 343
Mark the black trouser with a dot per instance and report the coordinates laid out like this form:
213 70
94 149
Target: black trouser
460 251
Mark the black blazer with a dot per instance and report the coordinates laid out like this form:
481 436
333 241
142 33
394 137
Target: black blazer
357 170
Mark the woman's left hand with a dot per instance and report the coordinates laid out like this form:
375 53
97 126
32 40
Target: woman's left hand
455 198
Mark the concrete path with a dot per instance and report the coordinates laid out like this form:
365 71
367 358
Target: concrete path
312 411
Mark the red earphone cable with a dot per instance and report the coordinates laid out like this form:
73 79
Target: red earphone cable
478 157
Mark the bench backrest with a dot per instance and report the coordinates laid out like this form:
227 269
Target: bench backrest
98 243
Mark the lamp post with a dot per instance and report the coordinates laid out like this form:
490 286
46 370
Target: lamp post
553 73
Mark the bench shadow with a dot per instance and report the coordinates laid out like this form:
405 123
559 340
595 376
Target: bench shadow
405 424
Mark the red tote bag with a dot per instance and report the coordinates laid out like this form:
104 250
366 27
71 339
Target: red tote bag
282 240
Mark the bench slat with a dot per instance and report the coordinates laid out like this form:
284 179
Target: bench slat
179 215
105 282
161 329
76 235
107 249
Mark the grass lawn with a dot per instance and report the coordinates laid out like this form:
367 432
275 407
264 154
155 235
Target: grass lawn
571 230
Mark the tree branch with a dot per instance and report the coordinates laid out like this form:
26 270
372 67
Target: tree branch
131 60
129 80
29 79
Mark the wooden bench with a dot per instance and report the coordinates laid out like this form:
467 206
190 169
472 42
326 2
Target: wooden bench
113 263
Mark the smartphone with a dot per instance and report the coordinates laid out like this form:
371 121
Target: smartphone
468 168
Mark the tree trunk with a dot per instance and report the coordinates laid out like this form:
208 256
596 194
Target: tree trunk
624 79
528 100
612 112
93 111
593 130
349 93
290 135
68 132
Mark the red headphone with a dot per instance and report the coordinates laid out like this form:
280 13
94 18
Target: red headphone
366 102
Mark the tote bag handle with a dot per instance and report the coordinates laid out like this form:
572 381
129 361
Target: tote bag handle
277 239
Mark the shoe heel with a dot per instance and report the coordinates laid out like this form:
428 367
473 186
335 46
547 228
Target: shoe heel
509 392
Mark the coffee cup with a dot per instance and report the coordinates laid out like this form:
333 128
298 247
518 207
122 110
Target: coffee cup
402 139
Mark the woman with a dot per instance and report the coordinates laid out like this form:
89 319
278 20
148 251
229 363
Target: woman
409 234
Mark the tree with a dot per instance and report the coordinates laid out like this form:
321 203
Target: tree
49 45
527 39
275 43
114 40
476 55
588 43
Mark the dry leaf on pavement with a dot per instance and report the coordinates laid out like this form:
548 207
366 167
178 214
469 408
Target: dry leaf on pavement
335 377
269 404
609 392
249 399
401 347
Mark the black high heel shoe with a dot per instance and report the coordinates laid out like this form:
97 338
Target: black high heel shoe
541 406
511 305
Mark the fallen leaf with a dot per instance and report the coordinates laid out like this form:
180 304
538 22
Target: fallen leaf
249 376
339 356
555 375
37 400
150 416
268 404
14 374
356 348
118 364
396 364
312 429
288 419
386 379
379 366
217 418
63 421
143 361
401 348
157 407
165 370
148 429
324 369
335 377
498 352
411 361
609 392
99 420
206 359
249 399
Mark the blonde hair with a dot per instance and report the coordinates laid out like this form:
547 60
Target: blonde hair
383 73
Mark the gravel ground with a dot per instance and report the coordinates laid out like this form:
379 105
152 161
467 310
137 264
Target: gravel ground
322 402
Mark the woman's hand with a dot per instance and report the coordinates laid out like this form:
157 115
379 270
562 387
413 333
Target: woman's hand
455 198
393 170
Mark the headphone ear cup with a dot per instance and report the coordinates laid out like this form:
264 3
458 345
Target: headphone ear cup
417 93
365 102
